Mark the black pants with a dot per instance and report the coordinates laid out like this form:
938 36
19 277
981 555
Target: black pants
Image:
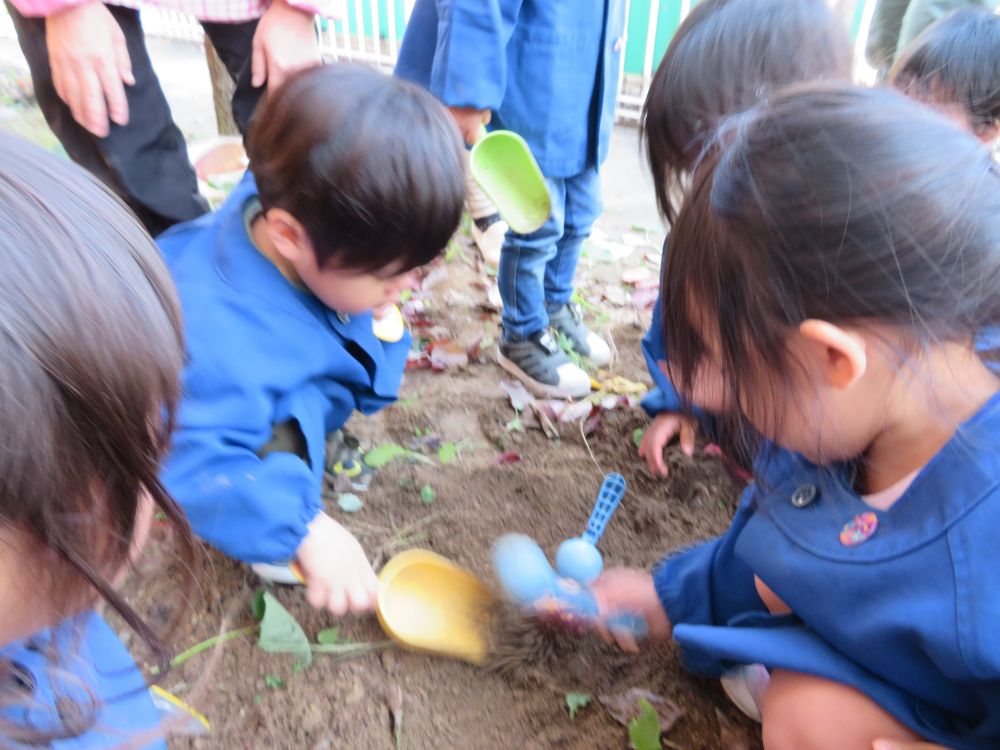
144 161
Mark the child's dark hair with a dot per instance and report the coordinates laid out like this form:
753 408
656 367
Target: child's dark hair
837 203
90 353
956 61
725 57
372 166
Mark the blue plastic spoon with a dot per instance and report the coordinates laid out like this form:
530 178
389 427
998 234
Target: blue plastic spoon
527 577
579 558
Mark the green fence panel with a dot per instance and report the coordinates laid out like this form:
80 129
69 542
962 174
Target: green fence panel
637 32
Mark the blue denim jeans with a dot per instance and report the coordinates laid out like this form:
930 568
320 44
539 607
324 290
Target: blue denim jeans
536 270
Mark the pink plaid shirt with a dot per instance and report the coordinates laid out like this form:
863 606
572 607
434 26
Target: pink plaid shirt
204 10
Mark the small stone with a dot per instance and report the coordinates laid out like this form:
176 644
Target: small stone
313 720
357 692
389 661
349 502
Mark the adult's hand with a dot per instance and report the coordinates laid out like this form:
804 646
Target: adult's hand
285 41
90 65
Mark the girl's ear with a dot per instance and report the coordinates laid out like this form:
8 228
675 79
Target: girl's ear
288 236
840 355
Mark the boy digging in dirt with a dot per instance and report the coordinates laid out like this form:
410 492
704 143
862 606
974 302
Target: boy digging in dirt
357 179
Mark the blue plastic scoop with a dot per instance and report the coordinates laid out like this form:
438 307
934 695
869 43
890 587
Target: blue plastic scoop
578 559
527 577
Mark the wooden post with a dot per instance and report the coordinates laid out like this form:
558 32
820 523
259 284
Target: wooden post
222 91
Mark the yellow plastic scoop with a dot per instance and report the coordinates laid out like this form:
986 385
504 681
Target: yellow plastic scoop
504 167
428 603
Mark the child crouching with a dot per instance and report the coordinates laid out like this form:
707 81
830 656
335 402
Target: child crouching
357 179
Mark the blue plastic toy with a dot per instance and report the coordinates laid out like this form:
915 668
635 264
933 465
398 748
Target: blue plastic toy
527 577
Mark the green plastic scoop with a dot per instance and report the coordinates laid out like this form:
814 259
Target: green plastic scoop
503 166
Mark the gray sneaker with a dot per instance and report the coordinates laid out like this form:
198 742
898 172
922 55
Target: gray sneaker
543 367
568 320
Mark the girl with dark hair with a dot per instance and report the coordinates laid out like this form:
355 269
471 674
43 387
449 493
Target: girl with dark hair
357 180
831 270
90 354
725 57
955 66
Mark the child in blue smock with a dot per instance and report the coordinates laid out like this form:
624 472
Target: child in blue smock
725 57
357 180
955 65
830 271
90 357
548 70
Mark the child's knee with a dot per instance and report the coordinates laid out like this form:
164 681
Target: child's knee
790 716
802 712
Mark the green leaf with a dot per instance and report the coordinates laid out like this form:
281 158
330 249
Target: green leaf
380 455
637 434
349 502
644 729
427 494
566 344
514 425
447 453
280 633
297 667
274 682
329 635
257 605
575 702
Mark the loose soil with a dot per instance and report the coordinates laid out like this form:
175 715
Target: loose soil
258 700
518 699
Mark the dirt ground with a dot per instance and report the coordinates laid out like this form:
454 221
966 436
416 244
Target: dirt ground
257 700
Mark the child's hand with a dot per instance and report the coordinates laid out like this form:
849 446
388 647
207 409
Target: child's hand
630 590
337 572
663 429
469 121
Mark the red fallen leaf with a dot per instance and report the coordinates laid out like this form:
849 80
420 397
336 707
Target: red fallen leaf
643 299
417 361
447 355
518 394
508 457
652 282
474 348
596 414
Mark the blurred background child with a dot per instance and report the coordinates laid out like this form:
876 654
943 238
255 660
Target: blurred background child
955 65
896 23
548 70
724 58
